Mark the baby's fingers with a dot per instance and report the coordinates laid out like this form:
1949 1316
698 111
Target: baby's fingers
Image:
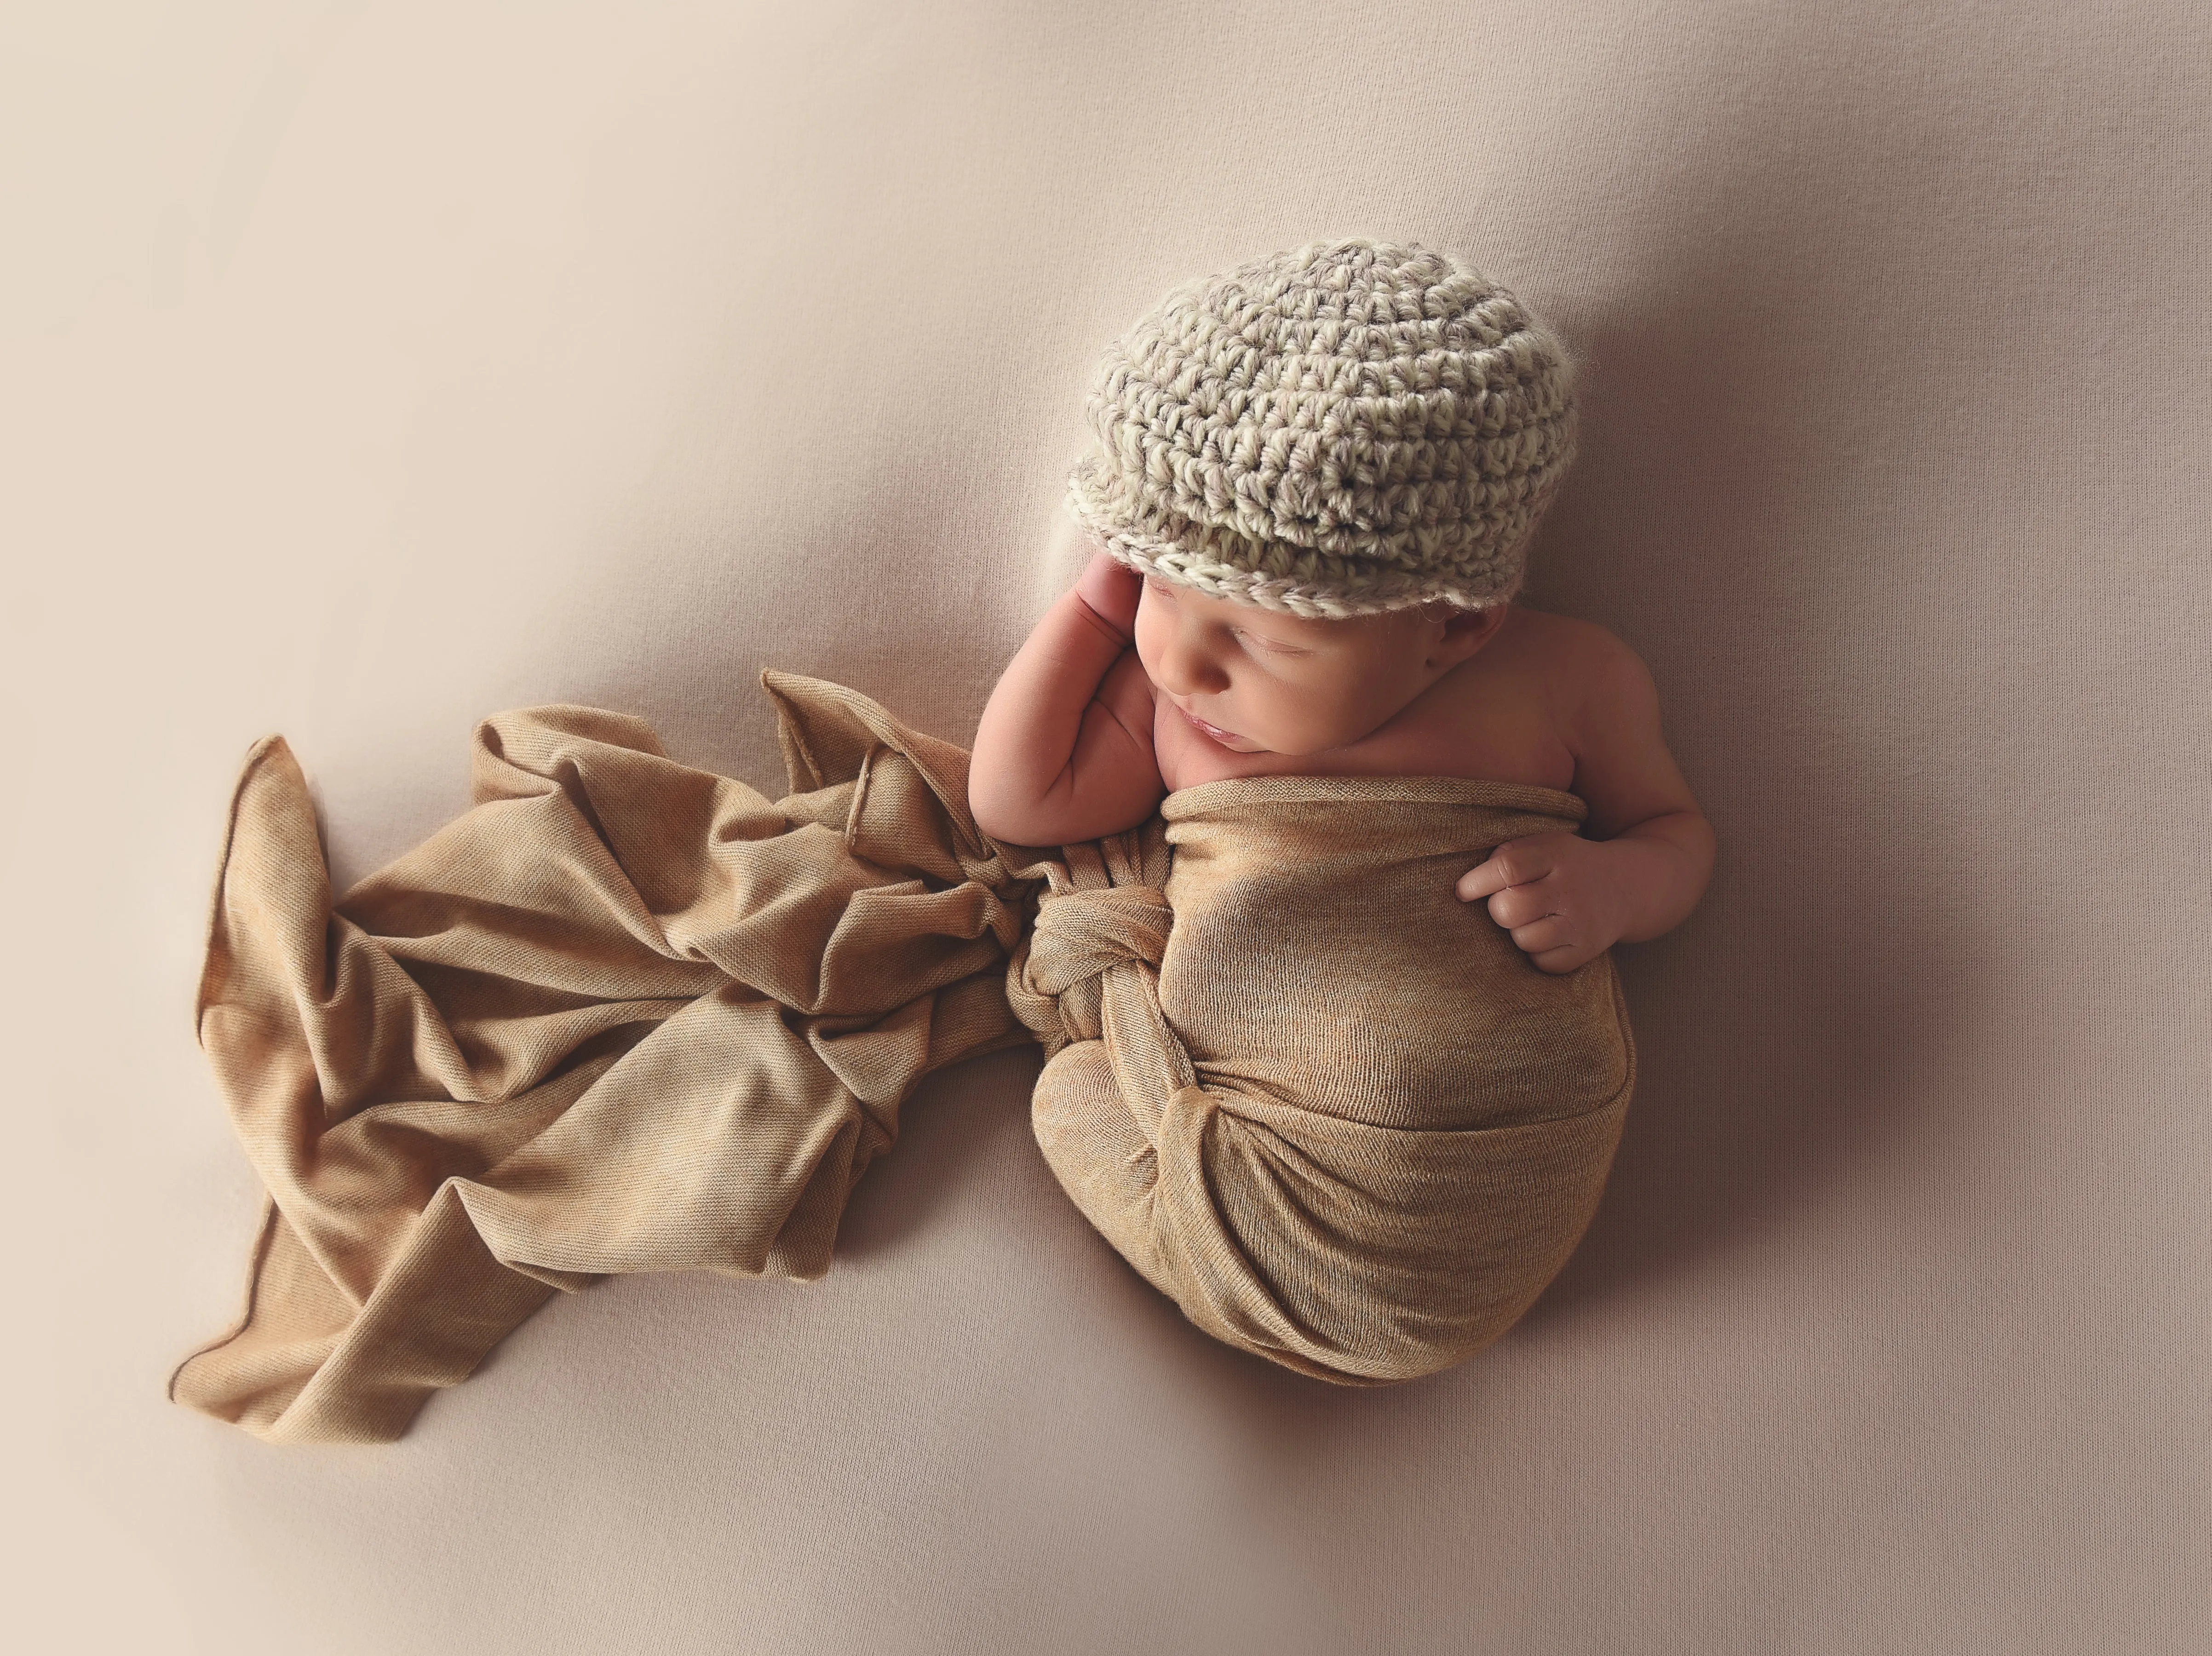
1481 881
1552 945
1518 905
1514 864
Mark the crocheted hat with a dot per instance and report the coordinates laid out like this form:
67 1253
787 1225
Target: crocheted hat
1350 427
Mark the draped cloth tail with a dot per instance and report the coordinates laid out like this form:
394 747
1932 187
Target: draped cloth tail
621 1015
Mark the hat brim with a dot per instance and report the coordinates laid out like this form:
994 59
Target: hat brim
1182 557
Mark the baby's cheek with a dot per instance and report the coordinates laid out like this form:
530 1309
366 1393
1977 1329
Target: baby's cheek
1302 723
1146 655
1145 634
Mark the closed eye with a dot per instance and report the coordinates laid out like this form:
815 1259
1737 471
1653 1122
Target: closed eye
1269 644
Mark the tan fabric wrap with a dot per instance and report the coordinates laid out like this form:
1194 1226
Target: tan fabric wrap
623 1016
1326 1107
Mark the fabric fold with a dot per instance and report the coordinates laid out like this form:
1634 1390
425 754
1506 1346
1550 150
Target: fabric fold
621 1015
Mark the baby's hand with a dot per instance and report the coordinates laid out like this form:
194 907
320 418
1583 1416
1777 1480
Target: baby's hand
1557 893
1110 589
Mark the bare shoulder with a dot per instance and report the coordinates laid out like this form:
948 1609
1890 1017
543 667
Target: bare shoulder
1573 660
1608 710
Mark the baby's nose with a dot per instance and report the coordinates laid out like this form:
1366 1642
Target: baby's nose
1187 669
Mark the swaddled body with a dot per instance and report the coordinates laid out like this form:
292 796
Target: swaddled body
1317 1100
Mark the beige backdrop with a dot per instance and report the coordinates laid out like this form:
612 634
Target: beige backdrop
370 368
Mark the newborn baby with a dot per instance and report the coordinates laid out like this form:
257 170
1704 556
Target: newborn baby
1287 727
1135 685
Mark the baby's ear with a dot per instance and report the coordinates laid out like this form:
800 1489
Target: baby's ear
1465 631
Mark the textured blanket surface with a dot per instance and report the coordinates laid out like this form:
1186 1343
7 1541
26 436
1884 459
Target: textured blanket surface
623 1016
1322 1103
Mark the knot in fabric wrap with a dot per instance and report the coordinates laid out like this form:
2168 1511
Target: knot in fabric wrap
1093 931
1321 1103
1079 938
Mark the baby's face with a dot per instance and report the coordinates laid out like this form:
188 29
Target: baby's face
1257 681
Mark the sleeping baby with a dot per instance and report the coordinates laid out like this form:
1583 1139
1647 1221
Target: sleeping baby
1297 845
1336 1053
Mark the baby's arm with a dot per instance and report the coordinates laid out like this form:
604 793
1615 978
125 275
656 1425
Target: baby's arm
1649 855
1064 752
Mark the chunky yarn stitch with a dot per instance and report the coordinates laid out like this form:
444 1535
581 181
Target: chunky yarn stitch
1350 427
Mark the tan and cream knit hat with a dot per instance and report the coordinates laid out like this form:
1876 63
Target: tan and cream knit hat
1350 427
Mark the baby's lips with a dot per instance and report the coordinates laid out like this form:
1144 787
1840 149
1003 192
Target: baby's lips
1212 730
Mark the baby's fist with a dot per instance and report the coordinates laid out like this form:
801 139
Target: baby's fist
1554 894
1110 589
